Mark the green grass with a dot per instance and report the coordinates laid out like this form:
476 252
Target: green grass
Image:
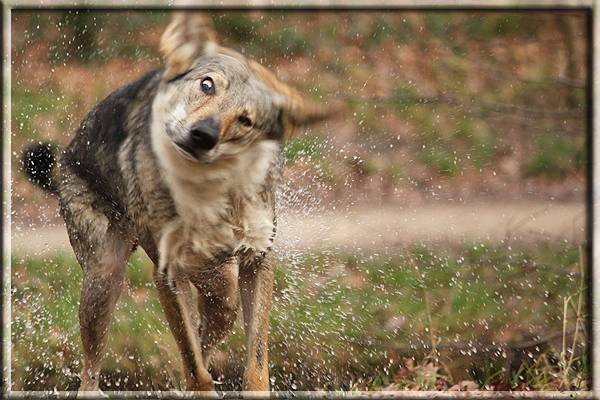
338 321
26 106
309 147
555 156
45 335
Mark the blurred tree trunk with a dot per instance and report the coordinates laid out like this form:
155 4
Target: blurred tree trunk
575 71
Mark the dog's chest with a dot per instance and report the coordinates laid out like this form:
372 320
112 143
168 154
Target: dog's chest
221 207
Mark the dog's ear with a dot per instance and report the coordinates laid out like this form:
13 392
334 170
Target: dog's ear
299 112
302 111
188 36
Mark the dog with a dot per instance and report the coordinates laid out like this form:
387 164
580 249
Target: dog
184 163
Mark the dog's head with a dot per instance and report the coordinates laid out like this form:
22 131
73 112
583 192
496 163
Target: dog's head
216 102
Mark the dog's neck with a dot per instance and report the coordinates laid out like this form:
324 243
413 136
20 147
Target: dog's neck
195 184
220 204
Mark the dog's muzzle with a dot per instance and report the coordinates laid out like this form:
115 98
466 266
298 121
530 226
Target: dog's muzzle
203 136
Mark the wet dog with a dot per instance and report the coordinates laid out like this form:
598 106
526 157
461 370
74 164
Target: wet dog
184 163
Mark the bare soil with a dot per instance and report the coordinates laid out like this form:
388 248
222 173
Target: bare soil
365 227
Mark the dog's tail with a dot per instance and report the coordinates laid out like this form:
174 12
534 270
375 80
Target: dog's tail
39 163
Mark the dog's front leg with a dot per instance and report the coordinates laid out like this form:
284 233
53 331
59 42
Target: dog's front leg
256 290
175 297
217 304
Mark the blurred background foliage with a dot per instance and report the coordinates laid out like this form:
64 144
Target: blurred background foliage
442 104
437 105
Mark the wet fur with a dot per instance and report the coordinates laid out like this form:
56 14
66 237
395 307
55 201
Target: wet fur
205 216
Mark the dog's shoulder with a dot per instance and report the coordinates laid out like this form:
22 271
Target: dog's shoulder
109 124
131 90
107 120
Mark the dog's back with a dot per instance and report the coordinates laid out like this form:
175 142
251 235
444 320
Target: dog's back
94 154
110 165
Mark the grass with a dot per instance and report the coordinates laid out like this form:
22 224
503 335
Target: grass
555 156
339 322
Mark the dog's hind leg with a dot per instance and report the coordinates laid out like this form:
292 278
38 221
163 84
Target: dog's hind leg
102 285
256 288
102 250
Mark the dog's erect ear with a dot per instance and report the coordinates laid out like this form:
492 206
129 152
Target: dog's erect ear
188 36
302 111
299 112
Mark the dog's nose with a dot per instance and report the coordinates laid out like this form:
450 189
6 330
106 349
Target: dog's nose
205 134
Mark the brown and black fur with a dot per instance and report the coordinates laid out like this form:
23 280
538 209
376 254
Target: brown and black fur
183 163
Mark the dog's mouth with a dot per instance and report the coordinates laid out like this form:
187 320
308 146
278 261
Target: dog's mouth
186 151
194 155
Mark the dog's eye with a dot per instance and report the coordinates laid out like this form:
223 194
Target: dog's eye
208 86
245 121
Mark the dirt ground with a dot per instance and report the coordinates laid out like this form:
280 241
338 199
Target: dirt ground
393 226
364 227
